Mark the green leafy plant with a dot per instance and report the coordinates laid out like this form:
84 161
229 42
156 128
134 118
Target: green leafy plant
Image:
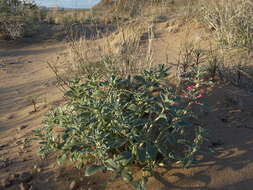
195 68
116 123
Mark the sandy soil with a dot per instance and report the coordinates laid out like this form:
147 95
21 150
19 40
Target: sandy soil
24 76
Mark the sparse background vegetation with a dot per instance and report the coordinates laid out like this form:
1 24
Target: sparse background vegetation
18 19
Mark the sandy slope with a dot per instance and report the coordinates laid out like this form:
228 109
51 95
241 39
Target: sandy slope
24 74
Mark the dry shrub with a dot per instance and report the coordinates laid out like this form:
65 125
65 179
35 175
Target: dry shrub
12 27
130 8
124 53
17 19
118 53
57 16
134 8
231 20
128 47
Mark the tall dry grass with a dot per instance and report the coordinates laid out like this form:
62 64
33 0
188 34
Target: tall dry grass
122 52
231 20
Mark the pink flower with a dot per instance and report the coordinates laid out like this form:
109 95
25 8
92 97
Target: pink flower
190 88
200 96
183 95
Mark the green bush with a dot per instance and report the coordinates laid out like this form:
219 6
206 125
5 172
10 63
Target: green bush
118 123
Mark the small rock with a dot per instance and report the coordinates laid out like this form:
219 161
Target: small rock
13 177
89 183
19 142
6 183
72 185
11 116
24 186
235 111
160 19
22 127
2 146
4 164
173 29
23 160
224 120
25 177
82 179
38 170
215 144
19 153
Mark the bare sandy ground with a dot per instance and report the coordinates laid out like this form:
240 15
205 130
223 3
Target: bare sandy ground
24 75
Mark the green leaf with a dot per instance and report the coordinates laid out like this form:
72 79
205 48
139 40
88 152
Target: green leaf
161 116
187 162
140 79
74 80
126 176
69 94
144 180
61 159
151 151
111 165
182 141
92 169
138 185
141 154
124 158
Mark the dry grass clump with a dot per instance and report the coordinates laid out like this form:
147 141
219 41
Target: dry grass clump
232 24
126 52
236 68
231 20
118 53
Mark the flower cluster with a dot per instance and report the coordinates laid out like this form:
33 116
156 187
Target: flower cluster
194 92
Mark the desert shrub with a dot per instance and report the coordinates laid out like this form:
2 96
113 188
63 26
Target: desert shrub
205 67
116 123
17 18
131 8
231 20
